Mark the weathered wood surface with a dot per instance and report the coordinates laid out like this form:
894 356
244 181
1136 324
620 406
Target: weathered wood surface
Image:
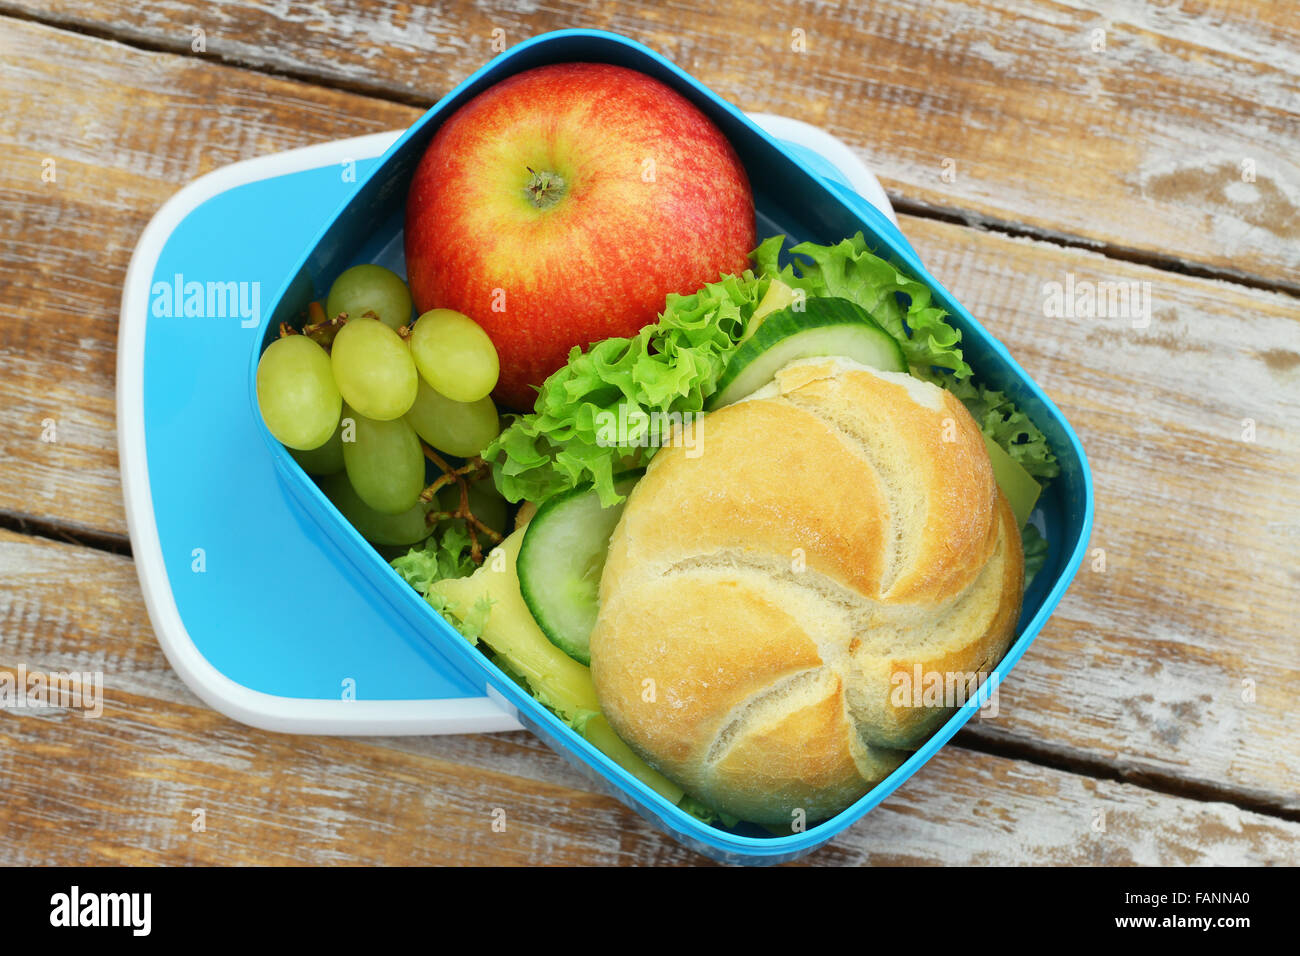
1124 124
128 782
1174 652
125 130
1147 668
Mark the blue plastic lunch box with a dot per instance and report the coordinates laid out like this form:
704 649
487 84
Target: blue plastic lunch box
792 197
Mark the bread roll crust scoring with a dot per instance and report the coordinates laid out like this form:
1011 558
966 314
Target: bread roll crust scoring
841 526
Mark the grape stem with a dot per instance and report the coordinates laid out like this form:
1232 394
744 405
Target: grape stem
317 327
320 329
475 469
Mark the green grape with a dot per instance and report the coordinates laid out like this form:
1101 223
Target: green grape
363 289
488 505
325 460
406 528
296 392
374 370
448 497
455 355
462 429
384 461
484 501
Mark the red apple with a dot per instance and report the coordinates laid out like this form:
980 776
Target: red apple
560 206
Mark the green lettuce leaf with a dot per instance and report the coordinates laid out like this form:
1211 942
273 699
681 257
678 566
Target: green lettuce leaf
705 813
932 346
471 625
1035 547
1000 419
669 367
674 365
444 554
850 271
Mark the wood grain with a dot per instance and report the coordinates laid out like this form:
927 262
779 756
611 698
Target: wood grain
123 788
125 130
1137 146
1174 651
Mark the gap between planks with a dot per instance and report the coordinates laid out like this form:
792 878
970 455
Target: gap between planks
144 44
1081 765
902 204
53 529
1110 250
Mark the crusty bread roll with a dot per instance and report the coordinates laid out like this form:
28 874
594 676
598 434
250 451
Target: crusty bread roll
838 527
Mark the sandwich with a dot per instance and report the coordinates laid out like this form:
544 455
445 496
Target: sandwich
769 590
741 529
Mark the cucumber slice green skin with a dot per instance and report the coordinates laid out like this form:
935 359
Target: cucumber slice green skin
826 326
561 561
834 326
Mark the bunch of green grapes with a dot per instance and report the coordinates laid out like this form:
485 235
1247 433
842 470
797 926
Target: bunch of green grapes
357 397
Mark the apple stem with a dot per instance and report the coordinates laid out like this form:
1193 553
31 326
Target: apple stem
544 189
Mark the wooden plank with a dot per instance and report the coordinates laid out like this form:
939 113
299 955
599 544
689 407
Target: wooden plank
1173 653
130 780
125 129
1002 111
1143 665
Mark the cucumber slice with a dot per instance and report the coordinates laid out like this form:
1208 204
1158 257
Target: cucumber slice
561 560
1018 485
827 326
